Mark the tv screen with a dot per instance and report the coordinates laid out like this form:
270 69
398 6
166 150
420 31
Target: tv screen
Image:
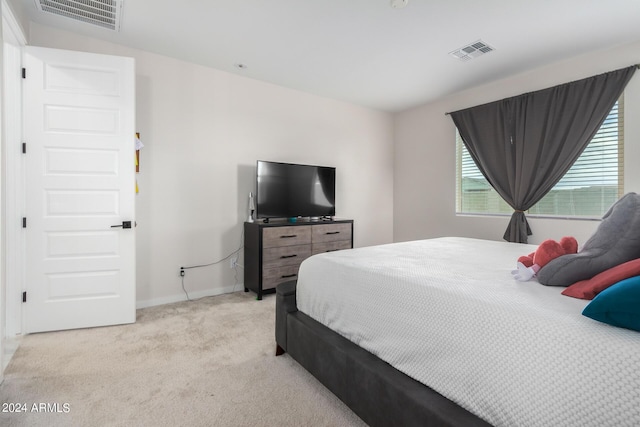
285 190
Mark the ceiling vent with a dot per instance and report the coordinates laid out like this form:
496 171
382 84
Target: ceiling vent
471 51
103 13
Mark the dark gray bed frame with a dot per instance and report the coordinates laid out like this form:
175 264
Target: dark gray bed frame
378 393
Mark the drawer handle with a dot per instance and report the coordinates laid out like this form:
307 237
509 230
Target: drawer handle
332 232
286 276
289 256
288 236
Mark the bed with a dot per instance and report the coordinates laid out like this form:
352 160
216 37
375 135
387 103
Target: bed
437 332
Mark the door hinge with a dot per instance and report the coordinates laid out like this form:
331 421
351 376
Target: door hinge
24 73
24 222
24 148
24 296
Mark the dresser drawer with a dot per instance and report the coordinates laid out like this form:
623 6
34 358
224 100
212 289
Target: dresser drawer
331 233
285 255
272 277
286 236
318 248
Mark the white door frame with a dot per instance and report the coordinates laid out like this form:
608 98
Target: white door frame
12 252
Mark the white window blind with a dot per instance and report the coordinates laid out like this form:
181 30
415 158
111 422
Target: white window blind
588 189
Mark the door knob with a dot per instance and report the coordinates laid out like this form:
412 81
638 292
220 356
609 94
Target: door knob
125 224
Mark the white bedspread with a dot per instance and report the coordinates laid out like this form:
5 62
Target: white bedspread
448 313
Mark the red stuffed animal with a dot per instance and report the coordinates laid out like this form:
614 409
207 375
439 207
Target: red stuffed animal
529 265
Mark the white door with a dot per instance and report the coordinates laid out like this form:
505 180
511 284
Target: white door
80 182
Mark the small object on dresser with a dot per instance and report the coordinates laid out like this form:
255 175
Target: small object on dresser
252 207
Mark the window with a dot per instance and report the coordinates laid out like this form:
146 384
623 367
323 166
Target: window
587 190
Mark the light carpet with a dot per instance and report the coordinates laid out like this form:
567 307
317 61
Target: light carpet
208 362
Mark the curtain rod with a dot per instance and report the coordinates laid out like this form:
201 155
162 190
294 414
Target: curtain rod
636 65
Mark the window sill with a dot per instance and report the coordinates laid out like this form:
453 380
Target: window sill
560 217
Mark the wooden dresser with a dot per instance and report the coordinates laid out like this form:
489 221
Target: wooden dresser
274 251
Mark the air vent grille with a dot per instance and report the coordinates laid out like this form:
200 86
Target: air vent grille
104 13
471 51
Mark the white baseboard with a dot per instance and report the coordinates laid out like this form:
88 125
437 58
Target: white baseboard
192 295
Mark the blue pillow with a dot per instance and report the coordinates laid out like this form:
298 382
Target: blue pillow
618 305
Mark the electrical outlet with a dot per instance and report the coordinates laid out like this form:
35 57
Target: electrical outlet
233 261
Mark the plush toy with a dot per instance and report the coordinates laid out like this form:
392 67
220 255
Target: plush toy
529 265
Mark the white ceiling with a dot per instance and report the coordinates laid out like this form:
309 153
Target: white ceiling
364 51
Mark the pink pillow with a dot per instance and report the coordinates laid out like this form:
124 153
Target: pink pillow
588 289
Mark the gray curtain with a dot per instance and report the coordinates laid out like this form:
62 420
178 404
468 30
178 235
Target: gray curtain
523 145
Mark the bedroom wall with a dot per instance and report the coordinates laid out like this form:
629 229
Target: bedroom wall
203 131
424 183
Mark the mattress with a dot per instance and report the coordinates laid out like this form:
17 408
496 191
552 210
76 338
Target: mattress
448 313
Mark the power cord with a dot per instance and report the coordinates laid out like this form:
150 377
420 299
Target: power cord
182 279
235 266
235 275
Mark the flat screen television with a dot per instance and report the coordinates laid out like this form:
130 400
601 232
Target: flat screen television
286 190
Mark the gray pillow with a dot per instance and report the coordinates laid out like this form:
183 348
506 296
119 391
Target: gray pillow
616 240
